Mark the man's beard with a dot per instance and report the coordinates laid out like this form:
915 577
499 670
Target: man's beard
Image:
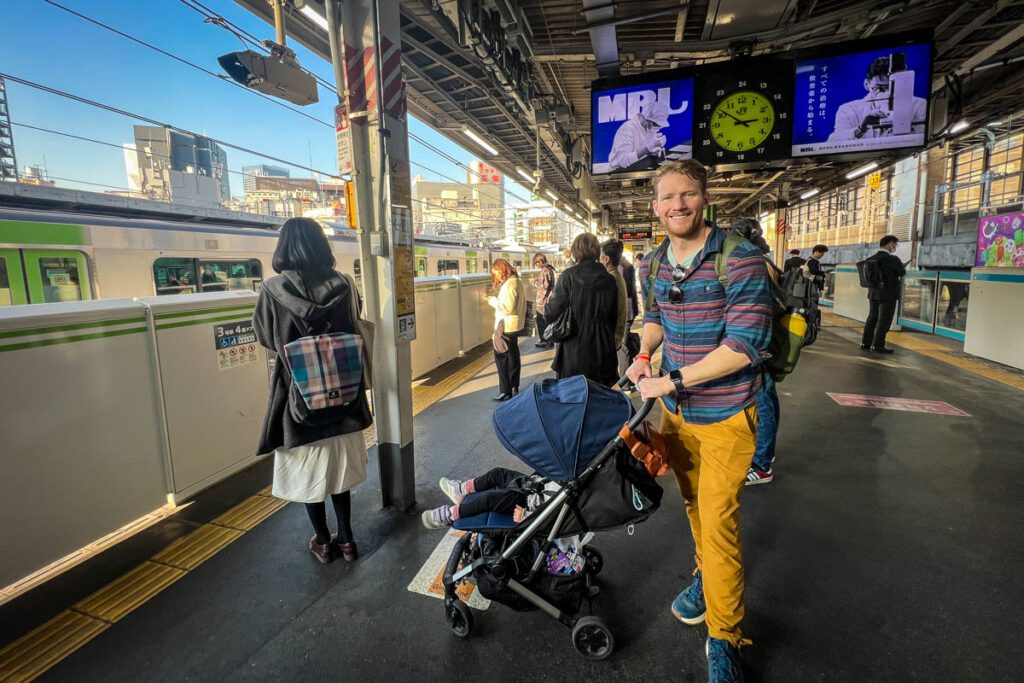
681 229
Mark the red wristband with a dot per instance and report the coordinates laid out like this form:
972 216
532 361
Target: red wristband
642 356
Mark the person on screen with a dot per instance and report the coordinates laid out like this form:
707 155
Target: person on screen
871 116
639 137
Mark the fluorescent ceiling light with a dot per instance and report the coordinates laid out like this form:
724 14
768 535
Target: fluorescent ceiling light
960 125
551 194
524 175
472 135
861 170
992 124
314 16
810 193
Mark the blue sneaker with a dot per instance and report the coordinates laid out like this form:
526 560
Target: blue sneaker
723 661
689 606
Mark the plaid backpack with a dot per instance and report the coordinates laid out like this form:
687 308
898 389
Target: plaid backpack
326 375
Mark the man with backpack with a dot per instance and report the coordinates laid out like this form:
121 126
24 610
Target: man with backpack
714 330
881 275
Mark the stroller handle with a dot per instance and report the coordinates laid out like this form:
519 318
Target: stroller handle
627 385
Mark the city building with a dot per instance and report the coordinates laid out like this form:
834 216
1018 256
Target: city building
251 173
35 175
166 165
476 207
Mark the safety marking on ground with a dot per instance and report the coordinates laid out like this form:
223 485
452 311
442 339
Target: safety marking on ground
47 645
888 403
429 580
112 602
35 652
202 544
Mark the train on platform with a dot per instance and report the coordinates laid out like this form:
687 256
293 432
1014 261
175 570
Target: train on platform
48 256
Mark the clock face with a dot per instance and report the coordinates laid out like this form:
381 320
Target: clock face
744 115
742 121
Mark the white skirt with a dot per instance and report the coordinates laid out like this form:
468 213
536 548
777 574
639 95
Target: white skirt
311 473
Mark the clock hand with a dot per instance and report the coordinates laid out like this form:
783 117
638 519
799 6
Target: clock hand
736 118
745 122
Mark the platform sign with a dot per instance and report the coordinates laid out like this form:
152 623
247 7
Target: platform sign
912 405
236 344
635 234
344 140
429 579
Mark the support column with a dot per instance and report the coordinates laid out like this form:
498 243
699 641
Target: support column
374 107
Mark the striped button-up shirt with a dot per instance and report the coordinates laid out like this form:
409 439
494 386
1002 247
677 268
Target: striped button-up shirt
710 316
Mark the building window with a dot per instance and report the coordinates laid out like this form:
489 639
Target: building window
1005 164
967 169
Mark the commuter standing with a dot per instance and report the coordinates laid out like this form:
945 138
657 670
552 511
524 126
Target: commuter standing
709 415
814 270
611 258
544 284
883 298
509 306
629 278
794 261
590 294
311 462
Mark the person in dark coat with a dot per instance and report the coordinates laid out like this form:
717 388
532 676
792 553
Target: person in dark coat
814 269
311 462
883 299
591 295
794 262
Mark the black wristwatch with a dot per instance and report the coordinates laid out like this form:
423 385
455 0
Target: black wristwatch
677 379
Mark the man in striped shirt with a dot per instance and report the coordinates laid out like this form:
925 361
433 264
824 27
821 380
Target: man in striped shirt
713 341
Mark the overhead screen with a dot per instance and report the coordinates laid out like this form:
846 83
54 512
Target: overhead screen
864 101
853 98
636 128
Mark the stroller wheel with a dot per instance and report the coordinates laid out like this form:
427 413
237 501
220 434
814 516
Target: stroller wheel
459 618
592 639
594 559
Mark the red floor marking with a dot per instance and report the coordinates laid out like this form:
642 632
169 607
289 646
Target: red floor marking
909 404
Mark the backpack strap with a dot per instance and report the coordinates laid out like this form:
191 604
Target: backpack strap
732 240
653 266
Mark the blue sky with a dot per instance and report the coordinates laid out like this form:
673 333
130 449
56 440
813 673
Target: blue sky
49 46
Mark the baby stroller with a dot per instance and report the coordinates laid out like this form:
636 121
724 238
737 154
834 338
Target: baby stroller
579 435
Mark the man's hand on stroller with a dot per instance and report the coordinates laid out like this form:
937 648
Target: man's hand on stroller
656 387
640 368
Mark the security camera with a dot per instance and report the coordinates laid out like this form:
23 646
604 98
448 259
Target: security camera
278 74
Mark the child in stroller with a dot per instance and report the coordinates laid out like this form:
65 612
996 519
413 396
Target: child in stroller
589 476
499 490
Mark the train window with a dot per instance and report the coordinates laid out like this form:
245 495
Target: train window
421 266
447 267
61 279
220 276
357 268
6 299
175 275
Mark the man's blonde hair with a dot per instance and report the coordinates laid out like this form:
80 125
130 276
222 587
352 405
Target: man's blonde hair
691 168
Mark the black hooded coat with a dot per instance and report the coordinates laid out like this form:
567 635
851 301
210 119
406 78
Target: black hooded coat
293 305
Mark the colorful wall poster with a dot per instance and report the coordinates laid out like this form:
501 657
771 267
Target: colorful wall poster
1001 241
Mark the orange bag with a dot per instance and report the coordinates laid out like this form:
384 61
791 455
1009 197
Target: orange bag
648 446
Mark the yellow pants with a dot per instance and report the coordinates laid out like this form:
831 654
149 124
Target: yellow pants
710 463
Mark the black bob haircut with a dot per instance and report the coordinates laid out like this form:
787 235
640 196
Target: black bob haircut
303 246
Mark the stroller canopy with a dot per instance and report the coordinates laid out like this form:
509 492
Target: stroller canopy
559 426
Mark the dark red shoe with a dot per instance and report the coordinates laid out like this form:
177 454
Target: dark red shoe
321 551
348 551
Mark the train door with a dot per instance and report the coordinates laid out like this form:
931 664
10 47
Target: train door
54 276
421 261
12 280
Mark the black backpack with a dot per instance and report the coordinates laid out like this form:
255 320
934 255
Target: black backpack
870 272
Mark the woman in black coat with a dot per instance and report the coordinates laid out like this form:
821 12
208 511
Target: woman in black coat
591 295
311 462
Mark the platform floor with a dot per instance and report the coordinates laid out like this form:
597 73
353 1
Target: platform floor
889 548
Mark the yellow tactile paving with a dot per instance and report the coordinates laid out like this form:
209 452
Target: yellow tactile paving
202 544
921 344
116 599
250 512
35 652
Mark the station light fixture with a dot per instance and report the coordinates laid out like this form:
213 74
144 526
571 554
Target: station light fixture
861 170
314 16
551 194
993 124
478 139
959 127
810 193
524 175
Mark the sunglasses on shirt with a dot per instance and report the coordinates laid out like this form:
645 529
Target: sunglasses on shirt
675 293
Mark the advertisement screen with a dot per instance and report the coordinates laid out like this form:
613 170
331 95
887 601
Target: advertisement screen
638 127
1001 241
863 101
